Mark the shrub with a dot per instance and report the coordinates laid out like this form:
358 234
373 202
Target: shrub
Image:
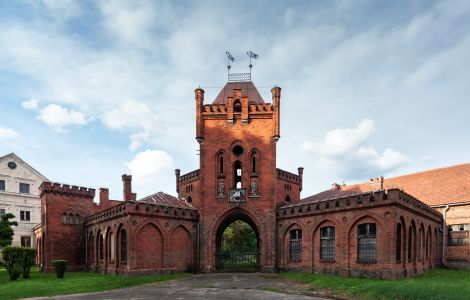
59 267
13 259
29 258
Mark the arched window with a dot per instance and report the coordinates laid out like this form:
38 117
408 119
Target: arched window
237 106
221 164
327 243
253 164
123 246
287 200
70 219
398 243
418 248
100 246
427 245
190 199
237 175
64 218
254 161
410 244
77 219
295 245
367 243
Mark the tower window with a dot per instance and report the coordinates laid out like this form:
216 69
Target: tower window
237 174
237 150
221 165
237 106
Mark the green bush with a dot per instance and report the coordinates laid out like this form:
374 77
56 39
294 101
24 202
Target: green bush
29 259
13 259
59 267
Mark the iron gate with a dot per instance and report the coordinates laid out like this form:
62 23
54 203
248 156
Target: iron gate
237 261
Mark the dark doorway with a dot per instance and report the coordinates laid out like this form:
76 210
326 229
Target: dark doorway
237 245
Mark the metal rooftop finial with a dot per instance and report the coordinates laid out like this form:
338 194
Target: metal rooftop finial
252 55
230 58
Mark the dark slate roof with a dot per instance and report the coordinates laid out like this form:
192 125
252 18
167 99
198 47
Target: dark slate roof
248 90
162 198
329 195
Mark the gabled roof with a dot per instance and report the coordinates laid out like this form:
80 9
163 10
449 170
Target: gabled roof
13 156
162 198
441 186
248 90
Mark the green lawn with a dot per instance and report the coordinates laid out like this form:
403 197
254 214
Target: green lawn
435 284
47 284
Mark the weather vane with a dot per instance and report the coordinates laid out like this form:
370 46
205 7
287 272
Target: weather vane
252 55
230 58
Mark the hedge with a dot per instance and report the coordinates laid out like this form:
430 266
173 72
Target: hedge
59 267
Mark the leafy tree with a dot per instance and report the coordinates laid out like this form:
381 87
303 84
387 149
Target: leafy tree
6 230
239 236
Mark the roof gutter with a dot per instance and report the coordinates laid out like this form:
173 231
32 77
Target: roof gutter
444 234
450 204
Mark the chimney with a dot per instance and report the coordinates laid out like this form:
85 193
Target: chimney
177 174
377 183
335 186
128 195
104 195
301 175
276 98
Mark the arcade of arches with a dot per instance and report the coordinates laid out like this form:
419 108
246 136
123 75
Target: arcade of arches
238 210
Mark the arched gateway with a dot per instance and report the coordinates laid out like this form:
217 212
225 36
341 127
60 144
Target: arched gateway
237 243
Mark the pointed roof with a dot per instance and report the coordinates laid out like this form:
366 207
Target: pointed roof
248 90
162 198
13 156
441 186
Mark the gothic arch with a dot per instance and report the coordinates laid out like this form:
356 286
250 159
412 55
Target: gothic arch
328 222
149 247
181 248
352 237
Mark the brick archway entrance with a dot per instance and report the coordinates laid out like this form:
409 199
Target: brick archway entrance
236 260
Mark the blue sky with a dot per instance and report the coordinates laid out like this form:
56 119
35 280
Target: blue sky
90 90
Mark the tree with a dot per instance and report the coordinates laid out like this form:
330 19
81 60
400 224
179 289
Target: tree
239 236
6 230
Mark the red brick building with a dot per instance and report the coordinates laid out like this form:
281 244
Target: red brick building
378 231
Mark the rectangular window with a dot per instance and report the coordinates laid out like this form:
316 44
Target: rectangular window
25 241
295 245
2 185
24 188
2 212
457 235
327 243
25 215
367 243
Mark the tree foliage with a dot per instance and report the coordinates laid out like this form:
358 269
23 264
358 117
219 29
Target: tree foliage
239 236
6 230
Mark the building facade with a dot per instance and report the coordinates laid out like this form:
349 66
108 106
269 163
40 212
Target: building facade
19 195
379 232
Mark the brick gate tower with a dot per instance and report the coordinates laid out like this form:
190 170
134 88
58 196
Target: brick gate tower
238 179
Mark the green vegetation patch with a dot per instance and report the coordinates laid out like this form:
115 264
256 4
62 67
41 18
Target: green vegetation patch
434 284
47 284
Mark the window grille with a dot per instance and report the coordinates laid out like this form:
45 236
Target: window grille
398 243
367 243
123 246
327 243
457 235
295 253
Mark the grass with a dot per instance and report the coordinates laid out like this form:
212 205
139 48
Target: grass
47 284
435 284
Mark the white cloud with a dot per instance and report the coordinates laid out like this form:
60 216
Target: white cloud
58 117
8 133
340 141
31 104
152 170
388 160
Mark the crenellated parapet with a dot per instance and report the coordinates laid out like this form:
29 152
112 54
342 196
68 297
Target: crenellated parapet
288 176
66 190
143 208
221 109
358 201
189 177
